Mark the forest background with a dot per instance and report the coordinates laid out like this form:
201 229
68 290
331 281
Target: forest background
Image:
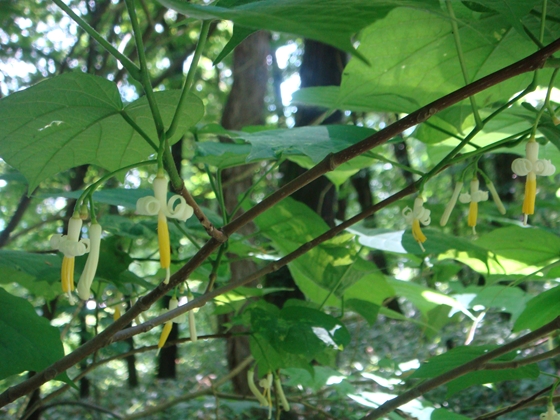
300 260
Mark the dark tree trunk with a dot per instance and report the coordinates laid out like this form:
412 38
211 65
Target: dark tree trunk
245 106
322 65
167 366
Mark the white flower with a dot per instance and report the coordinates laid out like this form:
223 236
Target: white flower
473 198
550 414
414 217
71 246
158 205
531 166
86 279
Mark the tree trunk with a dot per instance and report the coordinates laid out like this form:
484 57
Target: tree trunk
245 106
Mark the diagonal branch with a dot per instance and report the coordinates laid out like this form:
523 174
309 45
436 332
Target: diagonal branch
528 64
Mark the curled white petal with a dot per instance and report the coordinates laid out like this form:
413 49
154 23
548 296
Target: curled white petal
407 214
181 211
465 198
480 196
86 279
148 206
55 240
544 167
73 248
424 217
521 166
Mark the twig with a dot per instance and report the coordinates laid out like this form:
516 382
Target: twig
528 64
517 406
83 404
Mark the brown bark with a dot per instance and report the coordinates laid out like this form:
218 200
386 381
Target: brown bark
245 106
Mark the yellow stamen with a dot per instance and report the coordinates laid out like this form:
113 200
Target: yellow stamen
67 274
417 233
164 334
530 194
473 214
117 313
164 246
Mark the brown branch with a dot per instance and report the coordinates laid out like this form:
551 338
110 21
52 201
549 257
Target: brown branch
475 364
524 403
514 364
528 64
23 205
82 404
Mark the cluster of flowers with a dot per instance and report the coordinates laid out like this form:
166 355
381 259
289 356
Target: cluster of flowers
530 166
265 397
72 246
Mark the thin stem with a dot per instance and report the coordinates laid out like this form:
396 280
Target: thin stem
215 267
462 62
546 102
125 61
252 188
189 79
543 21
220 196
144 72
91 189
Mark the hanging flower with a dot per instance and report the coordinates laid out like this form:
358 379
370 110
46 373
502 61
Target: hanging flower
150 206
280 393
251 381
84 284
473 198
550 414
192 324
449 208
531 166
414 217
71 246
173 303
496 198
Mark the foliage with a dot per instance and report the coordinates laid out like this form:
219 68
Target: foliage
91 128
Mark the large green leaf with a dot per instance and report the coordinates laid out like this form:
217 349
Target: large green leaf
75 119
330 270
38 273
539 311
418 63
27 341
333 22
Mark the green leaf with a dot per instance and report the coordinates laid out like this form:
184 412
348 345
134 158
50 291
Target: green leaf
367 310
333 22
512 10
453 358
540 310
222 155
38 273
74 119
418 63
506 299
490 377
330 269
237 37
27 341
443 414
